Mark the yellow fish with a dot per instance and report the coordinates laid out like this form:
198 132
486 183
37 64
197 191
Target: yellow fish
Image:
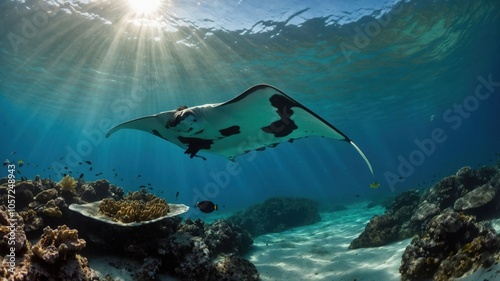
374 184
20 163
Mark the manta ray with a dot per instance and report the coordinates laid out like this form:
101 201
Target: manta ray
260 117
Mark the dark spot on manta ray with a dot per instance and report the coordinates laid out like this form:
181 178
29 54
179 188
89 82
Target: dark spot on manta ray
195 145
233 130
285 125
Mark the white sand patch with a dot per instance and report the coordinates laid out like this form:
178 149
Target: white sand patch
320 252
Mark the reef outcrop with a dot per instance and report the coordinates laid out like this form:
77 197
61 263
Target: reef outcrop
234 268
451 245
473 192
54 257
392 225
277 214
57 245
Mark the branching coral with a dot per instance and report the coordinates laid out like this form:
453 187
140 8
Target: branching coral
133 208
68 184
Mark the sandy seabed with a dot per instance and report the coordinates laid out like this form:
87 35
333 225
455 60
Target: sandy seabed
320 252
316 252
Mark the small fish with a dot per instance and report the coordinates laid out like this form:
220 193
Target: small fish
206 206
79 163
138 176
20 163
81 176
176 195
88 162
90 169
13 152
6 162
374 184
357 195
23 178
98 174
149 184
66 167
150 188
17 171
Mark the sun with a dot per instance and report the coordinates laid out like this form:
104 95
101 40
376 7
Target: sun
144 6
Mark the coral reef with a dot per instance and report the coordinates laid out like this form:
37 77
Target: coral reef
474 192
391 225
53 258
58 245
186 250
451 245
277 214
134 210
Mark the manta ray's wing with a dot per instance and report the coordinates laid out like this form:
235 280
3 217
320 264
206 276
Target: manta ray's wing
154 124
263 116
260 117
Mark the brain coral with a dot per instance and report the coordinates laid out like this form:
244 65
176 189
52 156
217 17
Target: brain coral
134 208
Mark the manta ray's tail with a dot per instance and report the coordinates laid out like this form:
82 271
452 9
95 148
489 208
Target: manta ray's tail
364 156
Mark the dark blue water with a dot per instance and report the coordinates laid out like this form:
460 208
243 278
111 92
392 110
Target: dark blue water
416 85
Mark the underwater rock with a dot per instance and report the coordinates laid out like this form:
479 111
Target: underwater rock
51 210
11 229
24 193
444 193
31 219
148 271
58 245
234 268
277 214
95 191
392 225
224 237
451 245
73 269
186 256
46 195
195 228
476 198
425 210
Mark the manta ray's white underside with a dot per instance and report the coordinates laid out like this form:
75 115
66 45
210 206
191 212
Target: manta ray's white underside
260 117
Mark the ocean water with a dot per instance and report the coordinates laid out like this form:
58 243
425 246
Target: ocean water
416 84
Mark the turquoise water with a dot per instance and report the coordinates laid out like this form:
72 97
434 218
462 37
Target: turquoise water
407 81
